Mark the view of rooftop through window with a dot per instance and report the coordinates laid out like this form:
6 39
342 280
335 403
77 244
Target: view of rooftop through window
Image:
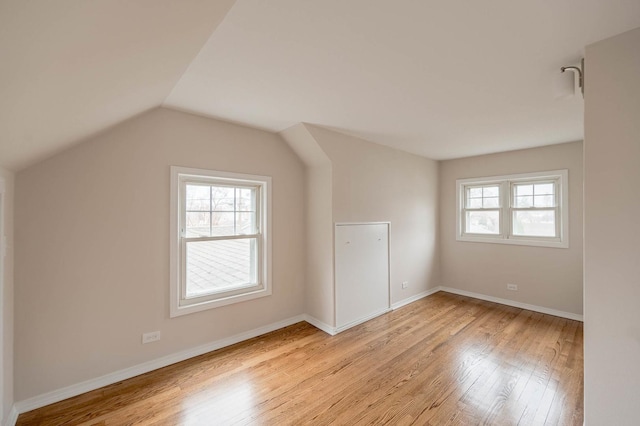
222 264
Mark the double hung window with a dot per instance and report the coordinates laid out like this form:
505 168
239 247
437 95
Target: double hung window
524 209
220 251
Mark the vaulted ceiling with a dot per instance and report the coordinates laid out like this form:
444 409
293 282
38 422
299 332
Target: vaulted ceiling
438 78
71 68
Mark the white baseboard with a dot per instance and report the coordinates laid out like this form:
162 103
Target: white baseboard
513 303
13 416
413 298
361 320
108 379
92 384
320 325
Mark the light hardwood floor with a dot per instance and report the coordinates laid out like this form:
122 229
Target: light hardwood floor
443 360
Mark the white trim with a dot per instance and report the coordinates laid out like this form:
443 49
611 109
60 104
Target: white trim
13 416
335 290
361 320
127 373
415 297
3 266
362 223
320 325
515 241
108 379
264 287
505 209
513 303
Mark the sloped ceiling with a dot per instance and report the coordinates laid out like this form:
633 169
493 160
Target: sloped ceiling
439 78
71 68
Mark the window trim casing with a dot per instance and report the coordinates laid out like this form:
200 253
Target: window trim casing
176 266
505 236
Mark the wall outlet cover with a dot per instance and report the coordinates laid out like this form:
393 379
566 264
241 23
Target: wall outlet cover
150 337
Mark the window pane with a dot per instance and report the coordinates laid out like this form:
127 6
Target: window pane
474 203
544 201
523 190
541 223
197 224
245 199
214 266
491 202
223 198
523 201
490 191
223 224
544 189
475 192
245 223
198 197
483 222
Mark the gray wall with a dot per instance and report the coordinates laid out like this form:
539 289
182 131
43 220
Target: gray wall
374 183
92 248
7 296
612 231
546 277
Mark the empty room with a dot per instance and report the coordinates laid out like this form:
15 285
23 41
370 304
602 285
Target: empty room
284 212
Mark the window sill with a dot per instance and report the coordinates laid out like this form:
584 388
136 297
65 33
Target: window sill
514 241
177 310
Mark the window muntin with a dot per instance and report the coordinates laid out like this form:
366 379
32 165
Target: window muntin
482 209
534 207
219 210
221 253
525 209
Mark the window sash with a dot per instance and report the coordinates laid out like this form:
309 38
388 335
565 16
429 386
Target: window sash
557 224
488 235
467 196
184 240
203 181
514 184
255 265
465 202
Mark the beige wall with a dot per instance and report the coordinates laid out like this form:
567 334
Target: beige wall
546 277
7 297
612 231
319 277
319 289
374 183
92 248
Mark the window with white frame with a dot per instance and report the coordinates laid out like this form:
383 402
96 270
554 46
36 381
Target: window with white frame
220 250
523 209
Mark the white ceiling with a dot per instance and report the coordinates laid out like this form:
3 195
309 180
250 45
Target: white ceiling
71 68
439 78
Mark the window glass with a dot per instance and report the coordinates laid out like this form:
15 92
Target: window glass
534 223
525 209
220 253
214 266
483 222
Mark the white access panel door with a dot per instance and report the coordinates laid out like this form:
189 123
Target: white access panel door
362 272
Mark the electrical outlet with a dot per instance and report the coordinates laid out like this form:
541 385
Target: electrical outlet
513 287
150 337
405 284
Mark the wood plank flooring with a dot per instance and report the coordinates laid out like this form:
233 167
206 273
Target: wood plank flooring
443 360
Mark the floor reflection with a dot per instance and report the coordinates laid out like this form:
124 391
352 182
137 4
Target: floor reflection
221 403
